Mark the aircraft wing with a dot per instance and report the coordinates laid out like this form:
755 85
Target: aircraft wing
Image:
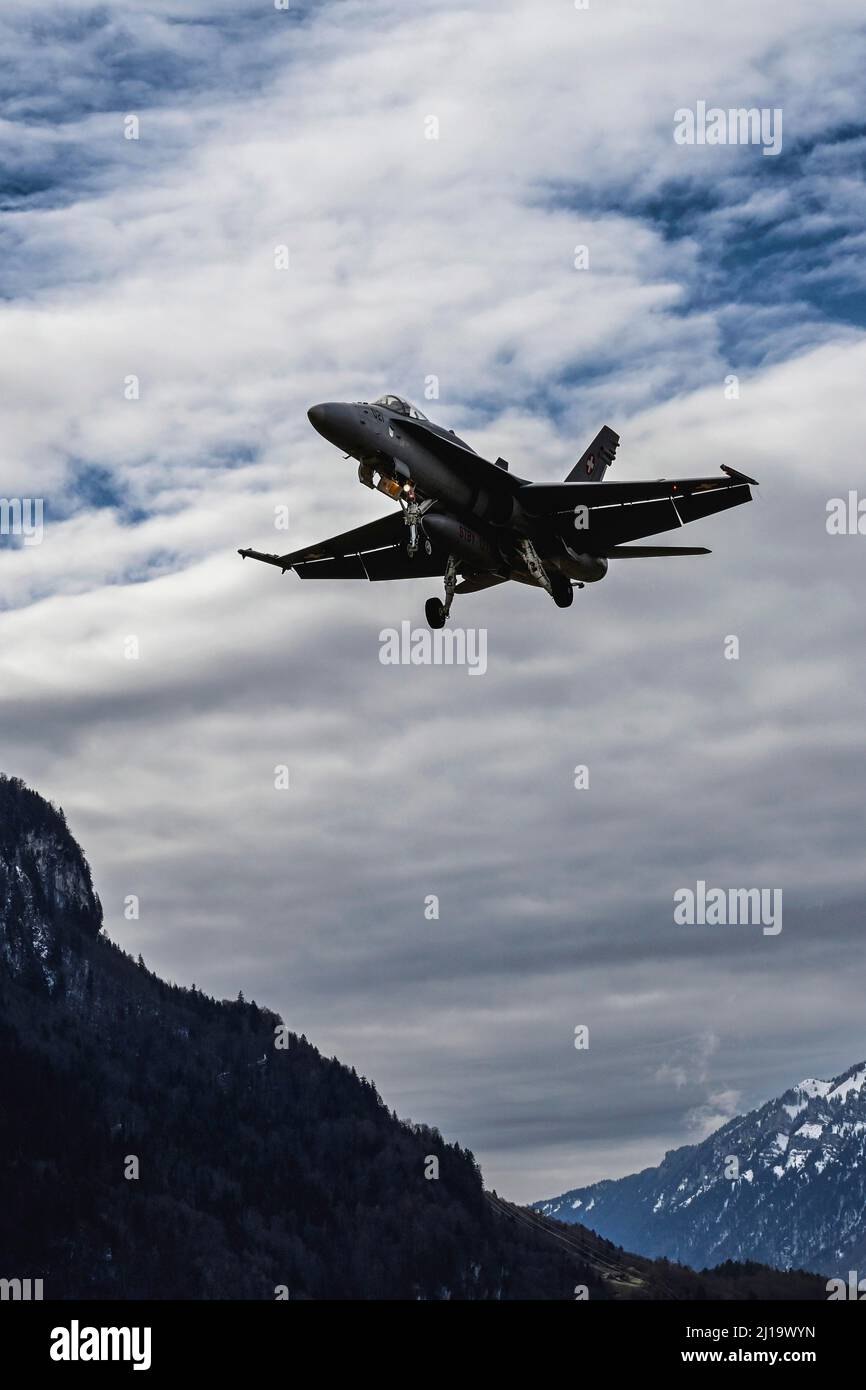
546 499
376 550
628 511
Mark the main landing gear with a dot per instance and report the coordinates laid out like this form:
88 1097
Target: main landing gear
435 610
556 583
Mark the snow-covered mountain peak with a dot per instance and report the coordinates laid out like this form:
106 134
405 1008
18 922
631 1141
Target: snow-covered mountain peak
784 1184
812 1087
850 1082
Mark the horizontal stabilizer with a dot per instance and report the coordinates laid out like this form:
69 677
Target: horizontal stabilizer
642 552
474 583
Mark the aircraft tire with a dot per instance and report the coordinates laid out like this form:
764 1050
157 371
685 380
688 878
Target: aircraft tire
434 608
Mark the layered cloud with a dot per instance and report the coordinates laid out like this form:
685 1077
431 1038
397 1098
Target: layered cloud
155 374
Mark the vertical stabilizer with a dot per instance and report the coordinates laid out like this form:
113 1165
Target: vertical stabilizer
593 465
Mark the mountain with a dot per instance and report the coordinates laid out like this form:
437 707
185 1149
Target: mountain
157 1143
794 1197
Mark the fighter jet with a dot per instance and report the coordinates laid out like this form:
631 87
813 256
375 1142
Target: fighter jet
476 523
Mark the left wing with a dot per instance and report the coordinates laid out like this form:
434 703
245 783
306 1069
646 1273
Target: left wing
548 499
618 512
376 550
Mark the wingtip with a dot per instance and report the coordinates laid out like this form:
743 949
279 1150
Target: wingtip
737 476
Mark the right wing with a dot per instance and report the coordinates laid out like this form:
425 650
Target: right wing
376 550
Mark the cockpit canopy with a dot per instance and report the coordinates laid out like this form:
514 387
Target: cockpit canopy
401 406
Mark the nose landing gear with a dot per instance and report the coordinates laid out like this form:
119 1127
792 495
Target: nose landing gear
435 610
412 518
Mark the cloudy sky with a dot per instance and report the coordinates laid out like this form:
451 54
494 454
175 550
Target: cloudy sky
410 258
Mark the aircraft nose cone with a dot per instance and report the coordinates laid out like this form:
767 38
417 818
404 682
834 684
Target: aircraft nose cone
336 422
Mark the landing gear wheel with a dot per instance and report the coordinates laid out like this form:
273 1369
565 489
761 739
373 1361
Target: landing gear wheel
563 597
435 611
428 546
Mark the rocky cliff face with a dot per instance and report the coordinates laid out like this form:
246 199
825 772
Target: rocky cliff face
46 889
259 1164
